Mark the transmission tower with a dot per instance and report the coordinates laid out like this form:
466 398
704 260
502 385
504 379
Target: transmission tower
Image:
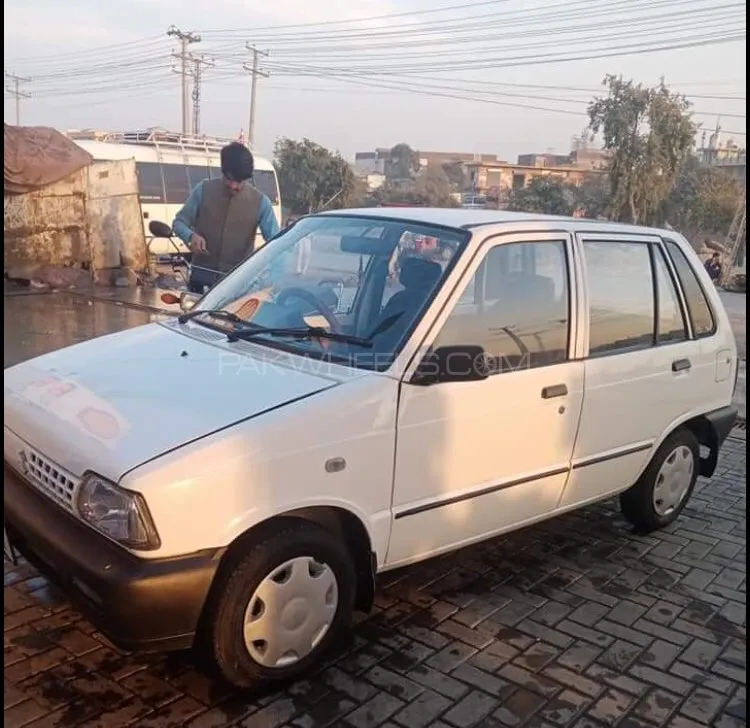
183 56
199 62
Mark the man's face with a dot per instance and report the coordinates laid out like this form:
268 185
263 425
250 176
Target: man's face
233 186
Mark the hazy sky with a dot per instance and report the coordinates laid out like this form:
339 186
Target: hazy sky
487 76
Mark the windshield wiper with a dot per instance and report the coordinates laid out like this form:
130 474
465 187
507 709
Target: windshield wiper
215 312
306 332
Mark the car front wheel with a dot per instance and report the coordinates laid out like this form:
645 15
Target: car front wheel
284 605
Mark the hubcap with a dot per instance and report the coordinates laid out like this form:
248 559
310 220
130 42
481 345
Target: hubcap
673 481
290 612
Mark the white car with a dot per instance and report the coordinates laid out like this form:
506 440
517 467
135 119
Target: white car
324 426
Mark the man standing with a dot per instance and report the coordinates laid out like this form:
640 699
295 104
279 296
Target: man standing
221 216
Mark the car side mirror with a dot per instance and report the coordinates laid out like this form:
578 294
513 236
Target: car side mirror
463 363
160 229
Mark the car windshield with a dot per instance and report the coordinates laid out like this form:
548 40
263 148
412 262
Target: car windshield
345 288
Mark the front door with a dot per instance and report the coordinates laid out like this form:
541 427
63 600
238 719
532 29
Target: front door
474 459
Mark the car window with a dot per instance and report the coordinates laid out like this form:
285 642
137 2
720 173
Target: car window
671 321
621 295
516 307
328 266
699 309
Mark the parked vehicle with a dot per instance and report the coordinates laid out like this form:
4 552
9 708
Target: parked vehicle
342 426
169 165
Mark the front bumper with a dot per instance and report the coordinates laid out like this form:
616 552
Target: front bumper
139 604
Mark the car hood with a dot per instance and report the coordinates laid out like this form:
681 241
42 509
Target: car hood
111 403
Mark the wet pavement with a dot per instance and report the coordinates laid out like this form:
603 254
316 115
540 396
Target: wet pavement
574 623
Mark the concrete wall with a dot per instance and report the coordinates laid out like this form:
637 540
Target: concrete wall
91 218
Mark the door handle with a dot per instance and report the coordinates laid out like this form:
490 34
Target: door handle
682 365
558 390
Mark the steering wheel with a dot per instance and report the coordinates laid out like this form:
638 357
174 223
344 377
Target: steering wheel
313 300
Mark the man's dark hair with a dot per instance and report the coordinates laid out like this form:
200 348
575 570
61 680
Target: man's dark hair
237 162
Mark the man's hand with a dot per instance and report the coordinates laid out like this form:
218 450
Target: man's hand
198 244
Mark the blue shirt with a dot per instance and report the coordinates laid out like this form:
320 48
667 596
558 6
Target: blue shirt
185 218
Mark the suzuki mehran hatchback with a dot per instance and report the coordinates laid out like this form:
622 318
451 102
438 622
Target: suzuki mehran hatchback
428 379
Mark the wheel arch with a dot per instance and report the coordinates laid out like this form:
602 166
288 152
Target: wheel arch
345 524
710 429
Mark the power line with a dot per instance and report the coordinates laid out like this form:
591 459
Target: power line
185 39
15 91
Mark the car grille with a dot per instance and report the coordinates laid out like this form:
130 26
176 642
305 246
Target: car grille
51 479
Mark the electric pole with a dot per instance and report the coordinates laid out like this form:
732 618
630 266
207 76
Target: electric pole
198 63
254 71
15 91
183 56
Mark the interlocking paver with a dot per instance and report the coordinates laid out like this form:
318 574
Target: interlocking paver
576 622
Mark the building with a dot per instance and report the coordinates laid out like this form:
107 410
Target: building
496 180
727 155
378 161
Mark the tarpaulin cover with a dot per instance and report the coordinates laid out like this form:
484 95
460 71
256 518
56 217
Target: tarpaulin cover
38 156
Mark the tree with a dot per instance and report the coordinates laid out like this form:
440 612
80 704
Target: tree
433 187
703 201
456 174
311 177
546 195
593 196
404 163
649 133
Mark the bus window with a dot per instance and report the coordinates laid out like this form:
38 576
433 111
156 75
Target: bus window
150 184
177 183
265 181
198 174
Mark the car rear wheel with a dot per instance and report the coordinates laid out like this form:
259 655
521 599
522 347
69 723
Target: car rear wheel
284 605
665 487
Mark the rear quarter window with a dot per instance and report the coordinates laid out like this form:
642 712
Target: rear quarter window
699 309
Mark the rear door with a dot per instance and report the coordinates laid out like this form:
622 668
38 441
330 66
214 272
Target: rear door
643 368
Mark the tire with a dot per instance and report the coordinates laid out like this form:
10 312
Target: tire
642 504
299 547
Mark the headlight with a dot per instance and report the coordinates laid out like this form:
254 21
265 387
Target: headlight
118 513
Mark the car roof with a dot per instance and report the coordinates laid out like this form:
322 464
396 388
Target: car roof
471 218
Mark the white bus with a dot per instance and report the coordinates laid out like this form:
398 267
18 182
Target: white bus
169 165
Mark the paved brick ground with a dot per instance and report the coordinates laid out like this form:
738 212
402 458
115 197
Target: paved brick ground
577 622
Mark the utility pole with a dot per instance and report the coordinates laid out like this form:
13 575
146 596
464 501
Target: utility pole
15 91
183 56
254 71
198 63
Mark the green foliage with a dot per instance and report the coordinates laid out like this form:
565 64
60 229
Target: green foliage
404 163
649 132
703 201
546 195
312 178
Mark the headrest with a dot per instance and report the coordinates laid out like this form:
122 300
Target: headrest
419 273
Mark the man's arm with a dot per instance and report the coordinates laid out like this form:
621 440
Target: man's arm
184 220
269 226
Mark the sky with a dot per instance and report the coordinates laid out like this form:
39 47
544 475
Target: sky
503 77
